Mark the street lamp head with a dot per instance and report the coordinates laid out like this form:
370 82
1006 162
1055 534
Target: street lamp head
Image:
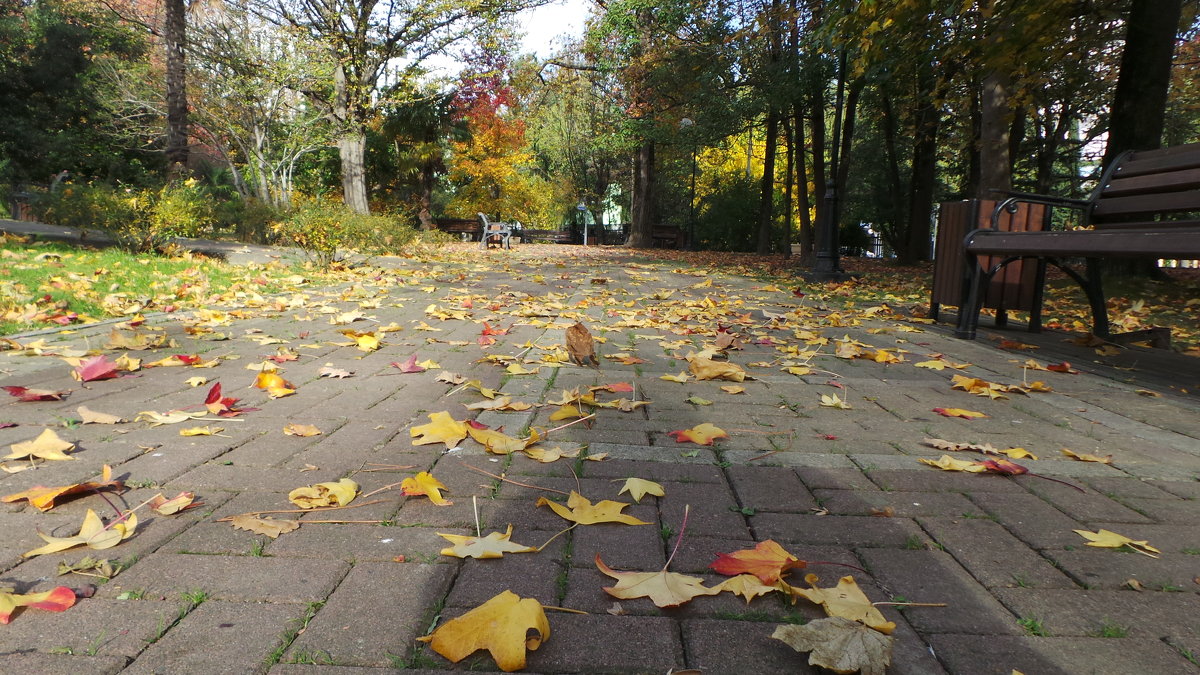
686 123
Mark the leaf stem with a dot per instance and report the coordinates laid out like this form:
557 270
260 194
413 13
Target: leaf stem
687 508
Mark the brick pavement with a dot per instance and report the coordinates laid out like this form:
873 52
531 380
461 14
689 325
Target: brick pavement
1021 589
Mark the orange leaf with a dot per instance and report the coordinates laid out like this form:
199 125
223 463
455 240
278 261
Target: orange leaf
59 599
702 434
43 498
767 561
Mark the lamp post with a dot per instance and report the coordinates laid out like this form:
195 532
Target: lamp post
686 125
828 266
582 208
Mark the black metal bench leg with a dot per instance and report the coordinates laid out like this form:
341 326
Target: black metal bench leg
1095 293
968 309
1039 291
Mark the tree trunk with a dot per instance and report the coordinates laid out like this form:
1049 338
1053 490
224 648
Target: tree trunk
352 149
816 113
175 39
425 211
896 233
1139 103
766 204
641 231
803 205
995 164
788 182
924 169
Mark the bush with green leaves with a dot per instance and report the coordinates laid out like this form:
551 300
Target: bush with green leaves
326 229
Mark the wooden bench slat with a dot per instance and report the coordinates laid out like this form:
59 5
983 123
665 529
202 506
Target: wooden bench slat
1188 179
1171 202
1159 161
1165 243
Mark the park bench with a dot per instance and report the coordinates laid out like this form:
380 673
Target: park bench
549 236
667 236
466 228
1147 205
495 232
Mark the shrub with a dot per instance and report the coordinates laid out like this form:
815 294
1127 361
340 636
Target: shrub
325 229
139 220
250 220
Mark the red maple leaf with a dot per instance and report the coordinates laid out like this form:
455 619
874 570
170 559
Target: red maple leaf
27 395
96 368
223 406
409 366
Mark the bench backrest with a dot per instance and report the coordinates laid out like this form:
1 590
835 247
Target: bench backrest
1141 186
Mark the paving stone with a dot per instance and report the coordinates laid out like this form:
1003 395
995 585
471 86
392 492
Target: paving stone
103 628
836 530
362 543
628 643
1177 511
637 547
933 576
242 578
529 575
647 453
220 637
361 626
1086 506
992 555
655 471
841 478
764 488
237 478
1170 538
33 662
1002 654
903 504
715 646
1111 569
1033 520
1128 487
930 479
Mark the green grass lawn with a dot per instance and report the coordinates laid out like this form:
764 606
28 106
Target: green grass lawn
44 285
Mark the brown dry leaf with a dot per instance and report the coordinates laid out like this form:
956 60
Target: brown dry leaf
88 416
840 645
579 509
302 430
663 588
580 345
845 600
328 370
500 625
268 526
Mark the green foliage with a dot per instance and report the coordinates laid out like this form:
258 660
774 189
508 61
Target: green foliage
325 229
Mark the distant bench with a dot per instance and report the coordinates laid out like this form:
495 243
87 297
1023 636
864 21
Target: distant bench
466 228
667 236
1144 207
548 236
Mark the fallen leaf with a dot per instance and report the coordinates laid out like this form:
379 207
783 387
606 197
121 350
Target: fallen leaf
46 446
196 381
425 484
840 645
707 369
268 526
1110 539
663 588
948 463
206 430
94 369
639 487
701 434
846 600
26 395
338 493
409 366
680 378
92 533
302 430
567 412
500 625
696 400
580 345
328 370
88 416
1063 367
767 560
959 412
733 389
833 401
746 585
1084 457
495 545
58 599
579 509
44 498
498 442
442 428
180 502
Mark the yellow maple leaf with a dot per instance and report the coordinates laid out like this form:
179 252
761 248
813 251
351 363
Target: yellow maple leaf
746 585
442 428
339 493
518 369
640 487
948 463
959 412
206 430
733 389
500 625
579 509
680 378
425 484
833 401
566 412
302 430
1084 457
47 445
701 434
846 600
92 533
497 442
663 588
495 545
1110 539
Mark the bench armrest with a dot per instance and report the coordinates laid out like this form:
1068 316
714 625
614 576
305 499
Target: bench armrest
1010 204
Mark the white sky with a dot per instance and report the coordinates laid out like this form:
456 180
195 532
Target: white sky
543 26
